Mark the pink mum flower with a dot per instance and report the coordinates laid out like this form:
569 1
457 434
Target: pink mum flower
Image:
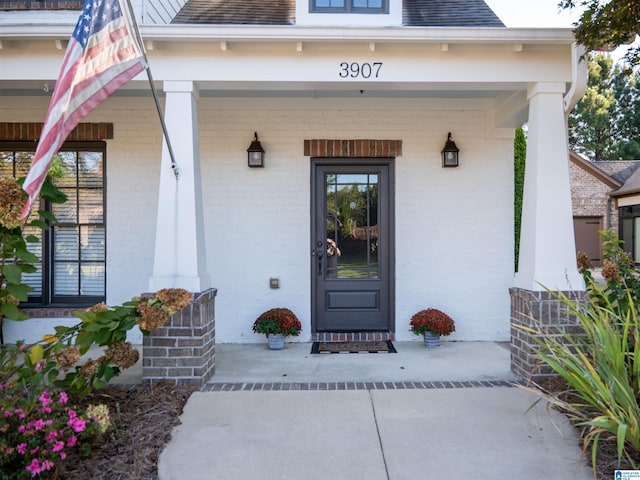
22 448
58 446
71 441
63 398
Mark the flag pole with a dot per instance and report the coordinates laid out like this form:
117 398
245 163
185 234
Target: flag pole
134 24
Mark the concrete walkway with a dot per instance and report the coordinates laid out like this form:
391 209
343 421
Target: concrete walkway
417 414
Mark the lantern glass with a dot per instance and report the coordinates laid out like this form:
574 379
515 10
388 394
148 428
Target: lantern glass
255 153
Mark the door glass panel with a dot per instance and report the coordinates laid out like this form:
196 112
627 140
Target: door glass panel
352 225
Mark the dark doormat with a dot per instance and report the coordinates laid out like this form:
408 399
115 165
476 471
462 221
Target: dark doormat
353 347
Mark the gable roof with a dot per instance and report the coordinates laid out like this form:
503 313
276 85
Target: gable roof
621 170
594 170
450 13
632 185
238 12
416 13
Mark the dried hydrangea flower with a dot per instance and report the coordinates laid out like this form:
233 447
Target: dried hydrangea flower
90 367
122 354
67 357
100 413
174 299
98 307
584 262
11 203
610 270
151 317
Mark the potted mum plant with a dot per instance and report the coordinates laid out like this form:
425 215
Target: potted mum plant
431 323
277 324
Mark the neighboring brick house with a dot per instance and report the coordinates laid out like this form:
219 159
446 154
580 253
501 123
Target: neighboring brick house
595 188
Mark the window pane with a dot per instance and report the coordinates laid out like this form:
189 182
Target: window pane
65 279
69 166
92 240
91 205
90 169
66 212
66 244
34 280
92 279
23 162
322 3
6 164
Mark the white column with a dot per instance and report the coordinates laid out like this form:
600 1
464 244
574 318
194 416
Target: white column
179 258
547 245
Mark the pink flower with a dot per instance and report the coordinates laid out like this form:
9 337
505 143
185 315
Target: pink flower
77 424
34 468
45 399
22 448
58 446
71 441
38 366
63 398
38 424
23 346
63 455
47 465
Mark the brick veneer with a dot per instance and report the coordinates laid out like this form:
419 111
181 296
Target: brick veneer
544 313
183 351
353 148
32 130
41 5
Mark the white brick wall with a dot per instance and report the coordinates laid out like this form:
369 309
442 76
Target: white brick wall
454 227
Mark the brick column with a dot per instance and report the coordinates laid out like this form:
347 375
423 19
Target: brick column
544 313
183 351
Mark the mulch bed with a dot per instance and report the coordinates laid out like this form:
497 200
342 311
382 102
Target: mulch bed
144 417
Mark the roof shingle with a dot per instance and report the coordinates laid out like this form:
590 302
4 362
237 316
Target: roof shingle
416 13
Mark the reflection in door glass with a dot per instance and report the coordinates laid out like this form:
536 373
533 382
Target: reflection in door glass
352 225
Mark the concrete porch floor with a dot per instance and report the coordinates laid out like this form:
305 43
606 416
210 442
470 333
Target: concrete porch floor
452 361
254 362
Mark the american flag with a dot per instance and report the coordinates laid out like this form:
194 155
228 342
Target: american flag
103 54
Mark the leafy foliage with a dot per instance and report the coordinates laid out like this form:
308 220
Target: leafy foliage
39 429
519 161
607 24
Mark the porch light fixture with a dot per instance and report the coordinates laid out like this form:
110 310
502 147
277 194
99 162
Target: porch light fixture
255 153
450 153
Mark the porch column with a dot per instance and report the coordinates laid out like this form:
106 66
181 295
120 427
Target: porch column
179 258
547 245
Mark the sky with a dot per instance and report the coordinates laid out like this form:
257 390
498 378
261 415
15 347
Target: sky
533 13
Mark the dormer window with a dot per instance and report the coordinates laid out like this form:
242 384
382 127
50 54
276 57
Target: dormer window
349 6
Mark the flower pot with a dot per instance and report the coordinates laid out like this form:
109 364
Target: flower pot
431 340
276 341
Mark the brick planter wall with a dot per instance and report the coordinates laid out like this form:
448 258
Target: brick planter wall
542 312
183 351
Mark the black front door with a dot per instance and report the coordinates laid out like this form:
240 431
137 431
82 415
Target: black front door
352 245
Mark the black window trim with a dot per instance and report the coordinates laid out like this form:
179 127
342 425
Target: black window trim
48 298
349 8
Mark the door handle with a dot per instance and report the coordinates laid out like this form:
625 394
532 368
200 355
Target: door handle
319 255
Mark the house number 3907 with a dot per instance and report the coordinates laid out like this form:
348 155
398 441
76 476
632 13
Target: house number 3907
360 70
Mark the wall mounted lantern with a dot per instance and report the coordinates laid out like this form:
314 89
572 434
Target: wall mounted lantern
450 153
255 153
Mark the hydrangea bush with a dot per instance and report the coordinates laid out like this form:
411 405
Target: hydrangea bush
37 424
